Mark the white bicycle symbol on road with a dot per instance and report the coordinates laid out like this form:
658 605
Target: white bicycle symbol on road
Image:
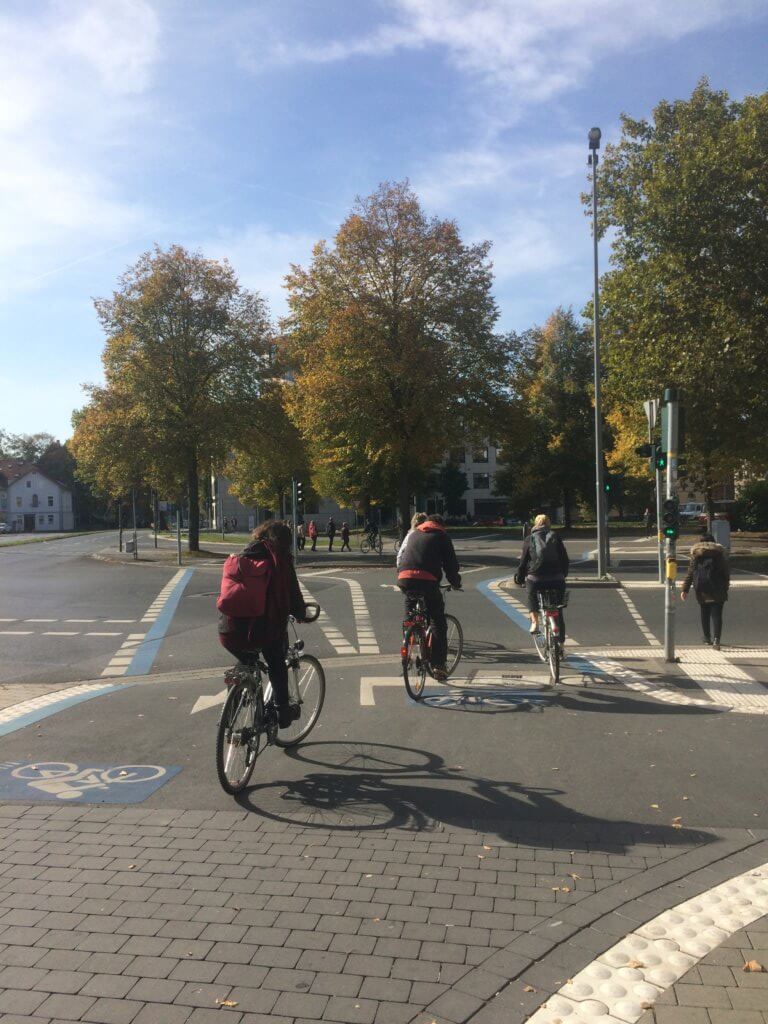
68 781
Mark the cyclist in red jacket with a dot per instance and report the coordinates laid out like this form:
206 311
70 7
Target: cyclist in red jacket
429 554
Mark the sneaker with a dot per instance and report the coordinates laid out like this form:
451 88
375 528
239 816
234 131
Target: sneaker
707 640
440 675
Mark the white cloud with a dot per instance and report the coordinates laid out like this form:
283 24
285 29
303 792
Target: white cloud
525 245
534 49
73 78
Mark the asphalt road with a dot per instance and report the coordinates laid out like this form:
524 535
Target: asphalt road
494 746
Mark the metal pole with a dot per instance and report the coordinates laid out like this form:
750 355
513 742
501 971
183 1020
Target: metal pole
178 533
670 593
602 522
120 524
135 537
294 539
659 534
155 517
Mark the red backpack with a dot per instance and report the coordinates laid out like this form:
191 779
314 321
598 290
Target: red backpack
244 585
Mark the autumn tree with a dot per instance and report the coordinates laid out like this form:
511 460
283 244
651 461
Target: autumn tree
27 447
269 453
391 336
686 301
187 348
548 446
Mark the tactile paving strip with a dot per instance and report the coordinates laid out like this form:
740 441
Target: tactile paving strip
626 980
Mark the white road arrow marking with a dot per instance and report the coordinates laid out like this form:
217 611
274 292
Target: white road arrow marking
208 701
367 684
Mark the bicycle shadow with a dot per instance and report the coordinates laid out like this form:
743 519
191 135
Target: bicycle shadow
361 787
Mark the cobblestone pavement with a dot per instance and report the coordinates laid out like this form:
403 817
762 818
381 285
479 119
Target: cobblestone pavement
156 917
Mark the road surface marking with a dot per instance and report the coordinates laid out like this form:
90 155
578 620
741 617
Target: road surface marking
9 620
102 634
366 639
623 983
334 636
639 620
16 632
20 715
60 632
41 620
137 654
367 684
81 620
511 606
655 585
116 621
724 683
208 701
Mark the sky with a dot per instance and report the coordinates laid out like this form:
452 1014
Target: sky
246 128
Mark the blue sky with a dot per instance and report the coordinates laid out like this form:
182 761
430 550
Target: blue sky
245 128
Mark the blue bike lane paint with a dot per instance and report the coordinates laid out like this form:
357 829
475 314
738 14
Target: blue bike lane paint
521 620
148 649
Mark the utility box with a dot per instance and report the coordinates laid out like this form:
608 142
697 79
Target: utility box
130 546
721 531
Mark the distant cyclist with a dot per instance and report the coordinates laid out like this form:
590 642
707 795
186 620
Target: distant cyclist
428 554
543 566
371 531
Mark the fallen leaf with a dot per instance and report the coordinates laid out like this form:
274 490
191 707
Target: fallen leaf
367 876
635 963
555 769
480 856
692 775
565 888
686 798
377 919
753 967
676 824
555 888
131 867
528 988
655 807
487 847
226 1002
575 877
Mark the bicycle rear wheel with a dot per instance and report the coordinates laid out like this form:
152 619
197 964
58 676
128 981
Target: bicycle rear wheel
553 656
379 544
309 682
455 643
415 661
238 737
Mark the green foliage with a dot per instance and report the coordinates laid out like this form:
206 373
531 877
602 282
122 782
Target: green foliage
686 300
27 447
391 336
451 482
751 509
548 445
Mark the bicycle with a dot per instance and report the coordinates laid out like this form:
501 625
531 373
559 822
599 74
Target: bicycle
416 650
249 714
549 645
371 541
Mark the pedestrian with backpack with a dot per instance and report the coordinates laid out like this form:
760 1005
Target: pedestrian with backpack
259 590
543 566
710 576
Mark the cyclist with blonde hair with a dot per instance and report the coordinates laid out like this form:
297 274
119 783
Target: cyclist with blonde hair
543 566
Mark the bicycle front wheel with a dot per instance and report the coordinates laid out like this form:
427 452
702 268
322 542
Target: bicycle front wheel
238 736
379 545
309 683
365 545
415 662
455 643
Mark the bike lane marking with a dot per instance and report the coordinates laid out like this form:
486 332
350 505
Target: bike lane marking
99 784
18 716
625 981
137 654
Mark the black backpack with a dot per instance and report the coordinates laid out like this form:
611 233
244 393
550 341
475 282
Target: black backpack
706 576
545 554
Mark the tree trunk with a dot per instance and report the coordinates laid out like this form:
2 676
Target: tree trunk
567 514
193 492
404 503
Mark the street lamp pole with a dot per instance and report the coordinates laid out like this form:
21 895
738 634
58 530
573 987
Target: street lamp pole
602 520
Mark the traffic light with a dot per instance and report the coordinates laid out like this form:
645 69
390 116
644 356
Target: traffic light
670 515
661 459
299 497
608 484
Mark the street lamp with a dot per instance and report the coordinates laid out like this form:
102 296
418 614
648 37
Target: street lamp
602 518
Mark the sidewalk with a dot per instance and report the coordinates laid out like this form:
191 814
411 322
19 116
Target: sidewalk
164 917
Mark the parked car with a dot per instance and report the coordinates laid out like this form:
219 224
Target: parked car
4 528
691 510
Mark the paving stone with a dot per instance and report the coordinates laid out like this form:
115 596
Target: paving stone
160 1013
253 1000
112 1011
455 1006
65 1007
299 1004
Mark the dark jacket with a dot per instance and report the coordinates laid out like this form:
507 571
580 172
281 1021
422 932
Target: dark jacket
523 572
284 598
721 572
331 529
430 553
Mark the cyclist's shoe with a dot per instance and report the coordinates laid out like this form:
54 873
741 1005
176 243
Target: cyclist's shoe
287 715
440 674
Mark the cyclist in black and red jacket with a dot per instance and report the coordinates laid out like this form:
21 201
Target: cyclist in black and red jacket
429 554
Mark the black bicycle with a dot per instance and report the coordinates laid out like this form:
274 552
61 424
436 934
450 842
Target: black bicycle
548 640
416 650
371 542
248 720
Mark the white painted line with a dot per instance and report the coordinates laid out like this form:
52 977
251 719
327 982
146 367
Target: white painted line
724 683
102 634
366 639
334 636
367 684
8 620
119 620
205 702
41 620
15 632
81 620
626 980
640 622
59 632
128 650
114 671
655 585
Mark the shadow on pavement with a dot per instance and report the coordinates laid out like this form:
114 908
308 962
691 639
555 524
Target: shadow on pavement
369 786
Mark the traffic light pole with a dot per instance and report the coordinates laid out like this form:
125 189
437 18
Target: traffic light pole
670 595
294 541
603 552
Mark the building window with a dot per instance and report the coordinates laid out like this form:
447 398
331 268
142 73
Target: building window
457 455
18 503
3 501
481 481
50 519
29 483
41 520
35 501
479 454
50 501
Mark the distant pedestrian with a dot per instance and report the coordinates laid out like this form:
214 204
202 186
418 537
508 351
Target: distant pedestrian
345 537
710 576
226 525
331 531
648 522
234 523
312 533
301 538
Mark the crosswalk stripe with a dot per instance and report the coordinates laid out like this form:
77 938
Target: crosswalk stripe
333 635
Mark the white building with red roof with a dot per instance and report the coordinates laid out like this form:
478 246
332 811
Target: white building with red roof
31 502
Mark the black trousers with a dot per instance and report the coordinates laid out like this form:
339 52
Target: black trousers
345 544
433 599
712 619
274 655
